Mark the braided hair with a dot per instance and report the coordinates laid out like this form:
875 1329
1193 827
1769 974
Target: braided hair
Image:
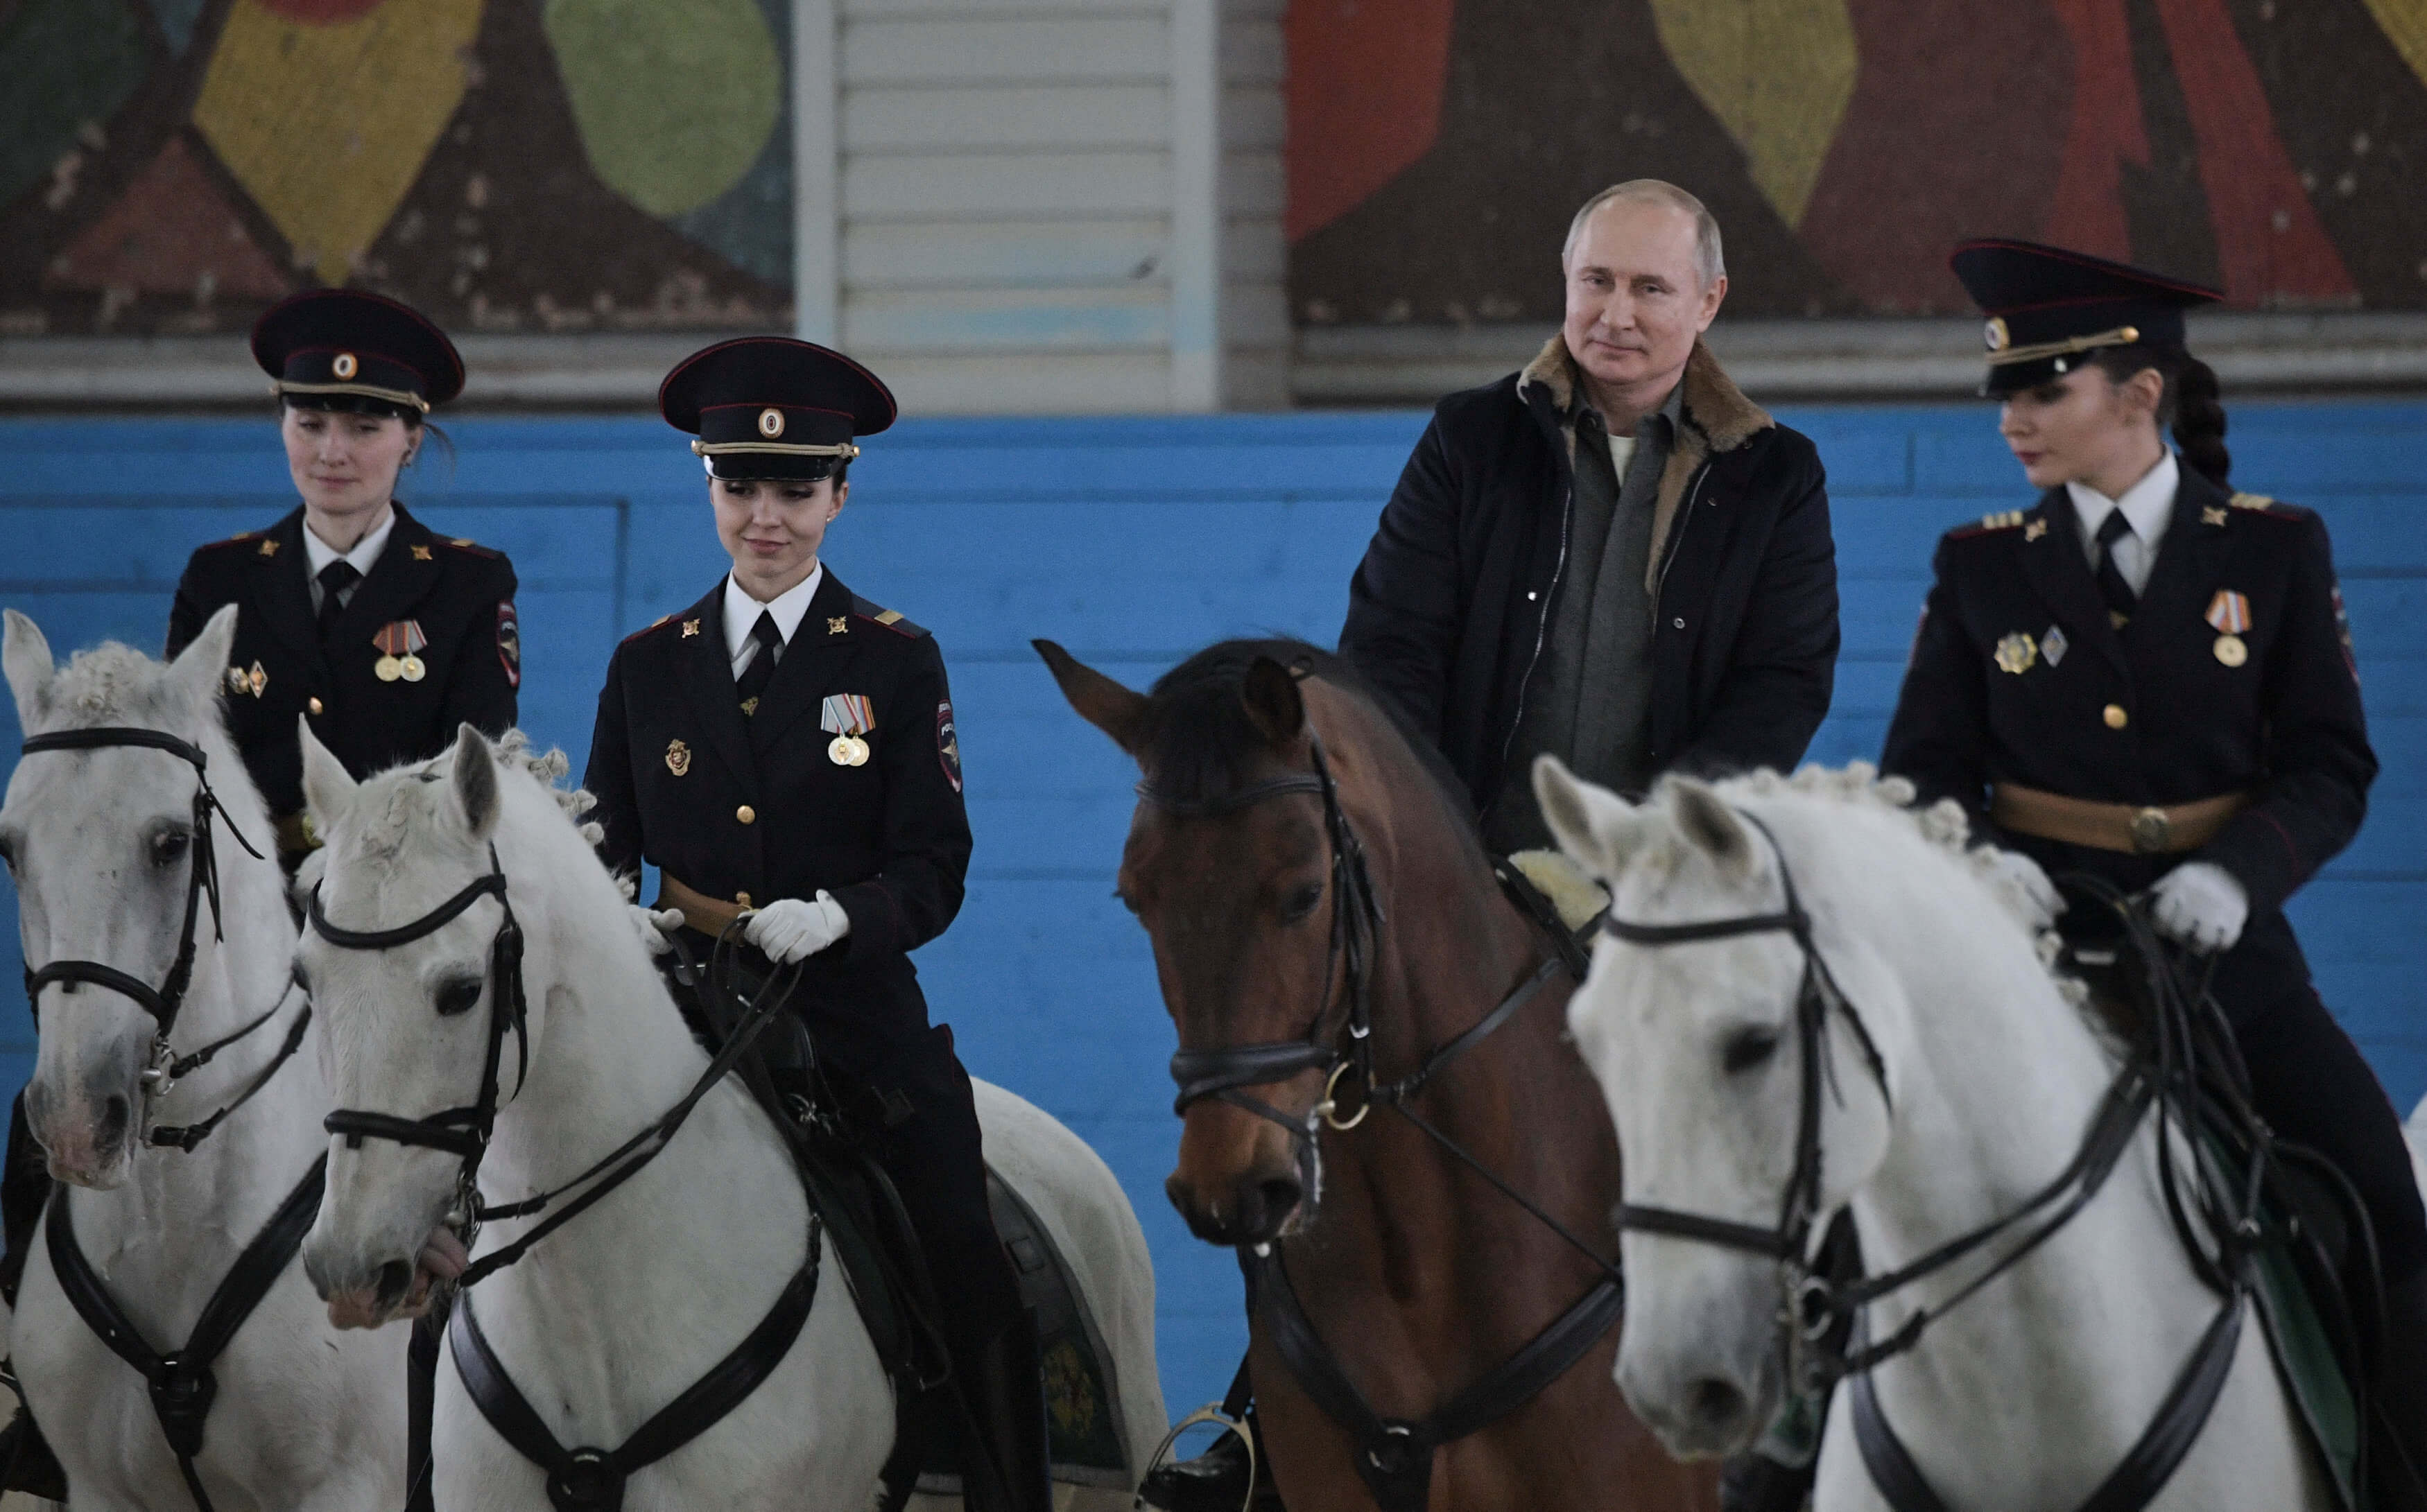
2192 402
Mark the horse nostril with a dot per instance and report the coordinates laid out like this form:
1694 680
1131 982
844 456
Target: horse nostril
393 1277
1280 1195
1714 1403
113 1120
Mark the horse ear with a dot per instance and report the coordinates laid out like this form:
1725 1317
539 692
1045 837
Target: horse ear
1709 825
327 787
203 665
1594 827
1118 711
27 659
476 782
1274 705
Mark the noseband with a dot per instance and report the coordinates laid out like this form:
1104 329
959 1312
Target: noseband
1356 919
464 1131
163 1066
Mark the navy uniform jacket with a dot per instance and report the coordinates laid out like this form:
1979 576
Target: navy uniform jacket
461 594
735 806
2285 726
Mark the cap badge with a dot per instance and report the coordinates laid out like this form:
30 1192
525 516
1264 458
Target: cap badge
2016 652
771 423
345 367
1999 338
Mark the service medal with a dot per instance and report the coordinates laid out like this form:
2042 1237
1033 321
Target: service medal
2016 653
2231 650
411 668
2229 612
677 757
388 669
397 640
839 751
848 717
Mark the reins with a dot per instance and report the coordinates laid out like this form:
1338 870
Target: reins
164 1067
465 1131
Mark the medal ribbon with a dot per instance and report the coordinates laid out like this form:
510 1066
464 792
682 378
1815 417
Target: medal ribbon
848 714
2229 612
400 638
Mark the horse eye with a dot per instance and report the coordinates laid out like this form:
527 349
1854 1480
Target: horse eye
1302 902
458 997
1749 1048
168 846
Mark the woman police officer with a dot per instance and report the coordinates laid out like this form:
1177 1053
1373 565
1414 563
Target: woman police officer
352 612
2147 678
784 751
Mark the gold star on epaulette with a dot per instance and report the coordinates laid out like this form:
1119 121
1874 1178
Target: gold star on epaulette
2002 520
2251 501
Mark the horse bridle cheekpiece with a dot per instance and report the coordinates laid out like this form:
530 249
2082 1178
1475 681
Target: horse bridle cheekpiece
163 1066
1356 919
463 1131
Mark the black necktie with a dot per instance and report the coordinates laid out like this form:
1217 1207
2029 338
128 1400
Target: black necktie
335 578
761 671
2111 584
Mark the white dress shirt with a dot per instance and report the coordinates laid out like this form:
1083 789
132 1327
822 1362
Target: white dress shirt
2147 505
317 554
742 611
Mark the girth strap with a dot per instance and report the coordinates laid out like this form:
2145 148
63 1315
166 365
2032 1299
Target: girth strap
1395 1455
2133 1484
591 1480
182 1384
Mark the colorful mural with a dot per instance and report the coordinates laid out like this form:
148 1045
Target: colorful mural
171 166
2272 147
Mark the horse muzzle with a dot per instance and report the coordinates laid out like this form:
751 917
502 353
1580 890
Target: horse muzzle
369 1292
1705 1379
1241 1181
90 1133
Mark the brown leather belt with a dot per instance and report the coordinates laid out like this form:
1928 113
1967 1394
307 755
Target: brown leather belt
709 916
2125 827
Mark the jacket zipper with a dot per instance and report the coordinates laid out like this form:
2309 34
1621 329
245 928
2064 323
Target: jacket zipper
1676 542
1542 629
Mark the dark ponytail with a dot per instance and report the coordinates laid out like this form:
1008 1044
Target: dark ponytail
2192 403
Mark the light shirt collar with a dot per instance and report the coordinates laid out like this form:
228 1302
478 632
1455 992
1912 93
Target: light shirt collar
742 611
2147 505
318 553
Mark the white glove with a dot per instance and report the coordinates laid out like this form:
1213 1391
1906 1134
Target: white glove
653 926
789 930
2039 894
2201 905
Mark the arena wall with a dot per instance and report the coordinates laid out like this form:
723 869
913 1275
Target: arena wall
1133 542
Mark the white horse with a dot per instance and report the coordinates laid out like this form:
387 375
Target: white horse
2031 1391
606 1321
101 843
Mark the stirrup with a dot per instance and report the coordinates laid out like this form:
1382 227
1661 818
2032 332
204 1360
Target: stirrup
1210 1412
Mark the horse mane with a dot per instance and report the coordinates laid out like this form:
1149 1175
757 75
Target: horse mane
407 805
1943 826
1200 746
113 682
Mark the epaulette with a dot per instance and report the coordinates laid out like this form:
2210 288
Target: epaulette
470 546
660 623
890 619
2273 509
2002 520
246 539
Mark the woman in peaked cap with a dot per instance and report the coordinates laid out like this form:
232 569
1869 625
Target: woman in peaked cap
352 612
783 752
2146 677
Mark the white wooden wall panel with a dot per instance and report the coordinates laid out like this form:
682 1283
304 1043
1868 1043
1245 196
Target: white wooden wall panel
1054 205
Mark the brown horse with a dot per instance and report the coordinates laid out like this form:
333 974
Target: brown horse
1306 876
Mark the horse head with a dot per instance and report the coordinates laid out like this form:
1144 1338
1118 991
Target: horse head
103 843
1261 930
1700 1045
412 1027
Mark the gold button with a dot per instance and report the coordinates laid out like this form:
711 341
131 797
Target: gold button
747 814
2115 717
743 899
313 705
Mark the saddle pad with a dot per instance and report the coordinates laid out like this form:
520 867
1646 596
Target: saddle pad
2305 1358
1083 1404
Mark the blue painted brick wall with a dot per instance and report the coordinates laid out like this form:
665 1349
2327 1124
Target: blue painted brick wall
1132 542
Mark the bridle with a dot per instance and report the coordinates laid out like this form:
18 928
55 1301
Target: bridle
163 1066
465 1131
1811 1304
1225 1073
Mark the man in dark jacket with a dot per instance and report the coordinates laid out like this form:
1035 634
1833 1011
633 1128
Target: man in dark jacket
1613 555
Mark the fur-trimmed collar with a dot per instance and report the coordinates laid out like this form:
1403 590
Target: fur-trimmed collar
1712 402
